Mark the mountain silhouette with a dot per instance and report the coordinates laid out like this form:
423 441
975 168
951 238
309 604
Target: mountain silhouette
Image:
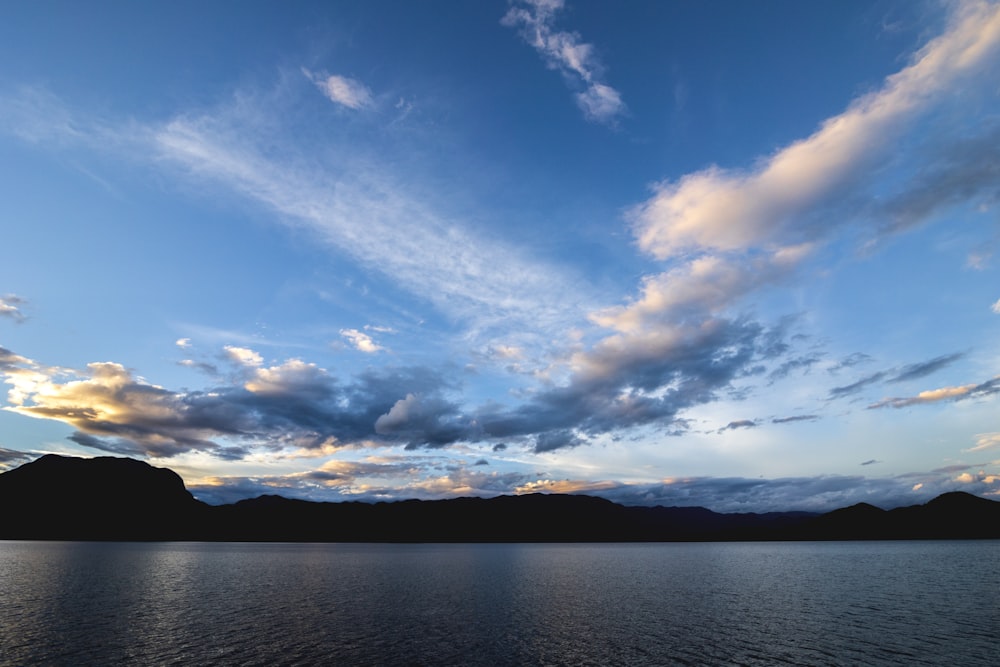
101 498
109 498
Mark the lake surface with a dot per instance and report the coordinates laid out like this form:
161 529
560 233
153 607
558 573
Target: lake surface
802 603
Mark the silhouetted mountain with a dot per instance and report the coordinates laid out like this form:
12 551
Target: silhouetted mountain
112 498
101 498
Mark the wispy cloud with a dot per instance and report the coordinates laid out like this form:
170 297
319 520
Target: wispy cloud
795 418
907 373
365 213
342 90
996 307
855 387
567 53
353 202
986 441
10 306
925 368
980 390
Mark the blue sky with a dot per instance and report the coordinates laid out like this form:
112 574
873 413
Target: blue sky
738 255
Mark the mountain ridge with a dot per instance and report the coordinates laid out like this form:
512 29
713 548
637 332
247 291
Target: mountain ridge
113 498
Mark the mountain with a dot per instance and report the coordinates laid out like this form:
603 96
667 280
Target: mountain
109 498
101 498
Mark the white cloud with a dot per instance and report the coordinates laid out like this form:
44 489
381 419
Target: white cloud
565 52
244 356
362 211
986 441
183 343
353 202
10 307
732 210
996 307
361 341
342 90
707 284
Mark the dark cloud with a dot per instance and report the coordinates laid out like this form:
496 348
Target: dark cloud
803 363
795 418
922 369
621 382
294 404
870 462
738 424
481 462
851 361
12 457
855 387
208 369
499 447
552 440
961 467
633 381
896 375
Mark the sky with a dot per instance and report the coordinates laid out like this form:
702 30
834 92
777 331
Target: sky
738 255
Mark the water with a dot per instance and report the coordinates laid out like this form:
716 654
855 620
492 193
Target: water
841 603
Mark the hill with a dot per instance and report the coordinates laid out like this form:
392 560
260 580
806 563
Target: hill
110 498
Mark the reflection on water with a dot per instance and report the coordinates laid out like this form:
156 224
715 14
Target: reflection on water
905 603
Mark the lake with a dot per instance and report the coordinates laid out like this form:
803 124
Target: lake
797 603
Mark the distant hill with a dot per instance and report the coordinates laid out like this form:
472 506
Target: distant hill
109 498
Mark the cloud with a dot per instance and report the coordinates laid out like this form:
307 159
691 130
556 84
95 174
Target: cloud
365 212
422 419
183 343
985 441
630 380
352 199
361 341
10 306
565 52
704 285
909 372
980 390
795 418
739 424
371 479
850 361
741 494
289 408
11 458
919 370
788 197
243 356
342 90
870 462
996 307
855 387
